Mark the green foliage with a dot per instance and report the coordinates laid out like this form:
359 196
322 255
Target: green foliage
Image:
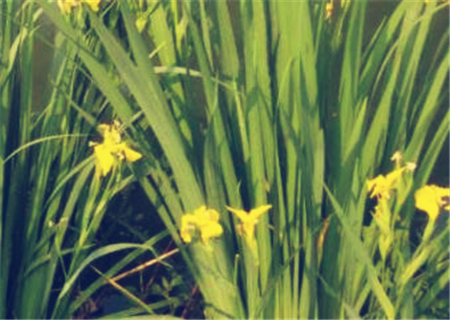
239 104
50 204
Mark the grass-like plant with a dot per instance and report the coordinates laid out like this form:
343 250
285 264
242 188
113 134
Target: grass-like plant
264 130
51 205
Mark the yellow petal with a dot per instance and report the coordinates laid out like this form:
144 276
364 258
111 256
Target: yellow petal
393 177
206 218
94 4
381 186
187 227
376 185
249 220
241 214
131 155
211 230
186 235
66 5
256 213
205 221
199 210
431 198
112 149
105 159
112 141
329 9
211 215
200 215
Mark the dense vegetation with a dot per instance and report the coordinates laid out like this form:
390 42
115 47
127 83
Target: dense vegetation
224 159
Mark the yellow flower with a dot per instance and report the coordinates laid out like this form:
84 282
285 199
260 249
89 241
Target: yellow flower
329 9
105 160
431 199
112 149
381 186
206 221
94 4
66 6
188 226
248 222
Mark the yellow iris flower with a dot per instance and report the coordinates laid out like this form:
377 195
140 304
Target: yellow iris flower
66 6
203 220
381 186
431 199
112 149
248 222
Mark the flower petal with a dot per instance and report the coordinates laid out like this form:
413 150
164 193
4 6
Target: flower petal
206 221
381 185
105 160
130 154
187 227
66 5
429 199
211 230
241 214
249 220
256 213
94 4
